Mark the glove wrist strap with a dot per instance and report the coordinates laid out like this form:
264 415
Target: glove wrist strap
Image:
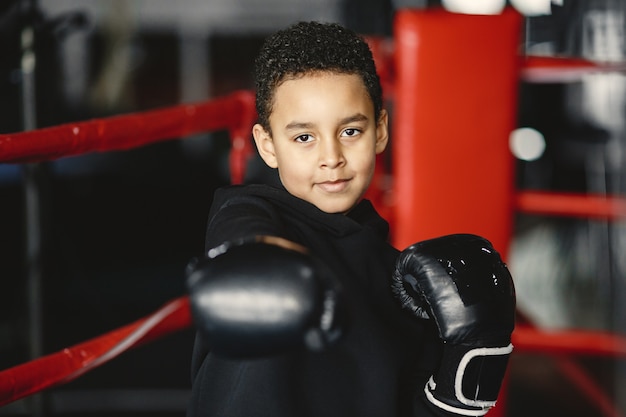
469 379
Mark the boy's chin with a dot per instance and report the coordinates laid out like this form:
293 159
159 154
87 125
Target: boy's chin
335 207
339 203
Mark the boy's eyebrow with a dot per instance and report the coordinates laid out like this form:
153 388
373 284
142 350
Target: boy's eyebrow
298 125
358 117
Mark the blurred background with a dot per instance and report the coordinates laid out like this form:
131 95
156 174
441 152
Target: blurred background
114 231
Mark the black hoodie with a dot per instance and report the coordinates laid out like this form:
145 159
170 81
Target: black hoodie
381 364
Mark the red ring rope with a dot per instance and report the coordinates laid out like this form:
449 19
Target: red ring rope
529 339
70 363
234 112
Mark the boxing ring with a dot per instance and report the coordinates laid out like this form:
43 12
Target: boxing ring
235 113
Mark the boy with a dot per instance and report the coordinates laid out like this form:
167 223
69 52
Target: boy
287 263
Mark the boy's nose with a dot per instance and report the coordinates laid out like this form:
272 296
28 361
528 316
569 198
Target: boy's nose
331 155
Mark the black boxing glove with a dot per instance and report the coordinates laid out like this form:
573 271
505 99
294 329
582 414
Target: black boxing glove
261 296
461 283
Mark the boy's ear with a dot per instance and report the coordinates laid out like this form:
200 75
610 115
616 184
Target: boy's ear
382 131
265 145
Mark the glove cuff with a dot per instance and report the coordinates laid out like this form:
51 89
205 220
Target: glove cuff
469 379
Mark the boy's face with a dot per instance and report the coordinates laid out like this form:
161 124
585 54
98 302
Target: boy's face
325 139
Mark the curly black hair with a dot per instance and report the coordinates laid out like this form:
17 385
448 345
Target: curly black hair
307 47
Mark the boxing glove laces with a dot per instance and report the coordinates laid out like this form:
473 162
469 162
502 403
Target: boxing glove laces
461 283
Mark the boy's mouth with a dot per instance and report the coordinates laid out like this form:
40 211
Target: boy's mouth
333 186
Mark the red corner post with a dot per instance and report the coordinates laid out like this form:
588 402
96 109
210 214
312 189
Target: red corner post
455 106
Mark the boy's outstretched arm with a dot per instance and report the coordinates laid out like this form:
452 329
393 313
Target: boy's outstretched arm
263 295
460 282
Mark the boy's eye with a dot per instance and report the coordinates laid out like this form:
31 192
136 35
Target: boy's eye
304 138
350 132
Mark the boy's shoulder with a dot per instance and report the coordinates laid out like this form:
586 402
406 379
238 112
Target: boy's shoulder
254 193
265 200
273 200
